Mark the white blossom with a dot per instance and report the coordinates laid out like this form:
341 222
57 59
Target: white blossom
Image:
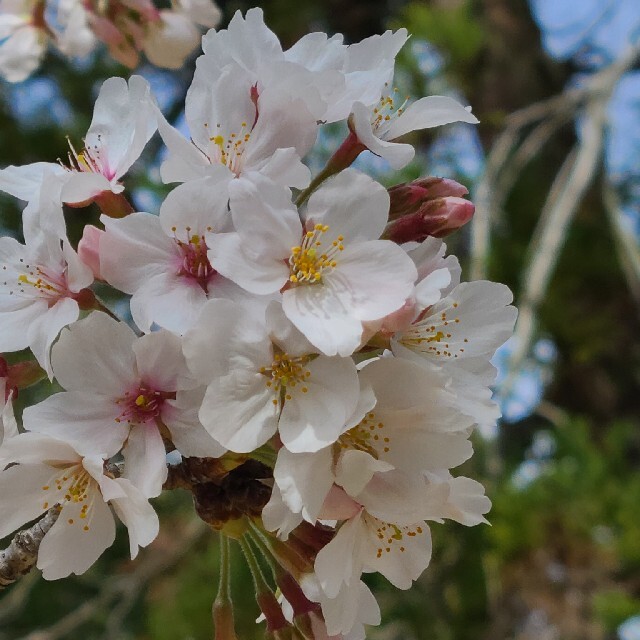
52 474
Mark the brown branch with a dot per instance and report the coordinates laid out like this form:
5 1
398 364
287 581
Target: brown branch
22 554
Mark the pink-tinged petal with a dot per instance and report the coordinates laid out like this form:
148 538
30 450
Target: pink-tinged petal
352 204
46 327
89 249
145 459
402 560
402 498
8 424
95 354
340 561
338 505
330 327
354 606
372 279
238 411
232 256
16 322
70 548
159 360
277 516
187 433
122 124
33 448
286 168
79 275
239 339
22 495
170 301
199 205
283 122
134 249
137 515
304 480
314 418
85 421
432 111
247 40
185 161
80 187
467 502
24 182
396 154
355 469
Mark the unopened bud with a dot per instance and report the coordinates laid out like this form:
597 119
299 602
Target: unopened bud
410 197
89 249
436 218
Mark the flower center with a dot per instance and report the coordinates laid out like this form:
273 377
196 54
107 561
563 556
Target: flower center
34 281
391 537
284 374
432 336
387 111
73 492
229 150
89 160
141 406
308 262
368 435
195 262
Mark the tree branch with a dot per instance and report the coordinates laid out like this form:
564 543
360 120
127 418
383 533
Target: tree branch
22 554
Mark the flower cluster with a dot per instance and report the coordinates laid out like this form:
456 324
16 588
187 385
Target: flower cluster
304 344
74 27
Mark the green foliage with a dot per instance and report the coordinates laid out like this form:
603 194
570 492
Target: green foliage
453 29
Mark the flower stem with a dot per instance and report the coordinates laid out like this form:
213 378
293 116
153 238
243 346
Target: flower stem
347 152
264 594
222 610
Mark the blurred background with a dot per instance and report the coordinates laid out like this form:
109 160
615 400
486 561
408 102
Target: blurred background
554 170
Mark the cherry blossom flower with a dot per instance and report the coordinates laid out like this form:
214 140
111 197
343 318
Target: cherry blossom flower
122 124
123 393
163 261
407 421
52 474
459 335
43 283
335 273
378 127
324 72
263 377
235 133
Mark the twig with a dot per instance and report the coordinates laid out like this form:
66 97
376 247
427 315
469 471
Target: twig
569 187
626 243
22 554
491 190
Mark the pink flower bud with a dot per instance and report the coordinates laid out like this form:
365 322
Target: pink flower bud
436 218
89 249
410 197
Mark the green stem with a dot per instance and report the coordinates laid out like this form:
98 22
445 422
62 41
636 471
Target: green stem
264 594
224 586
